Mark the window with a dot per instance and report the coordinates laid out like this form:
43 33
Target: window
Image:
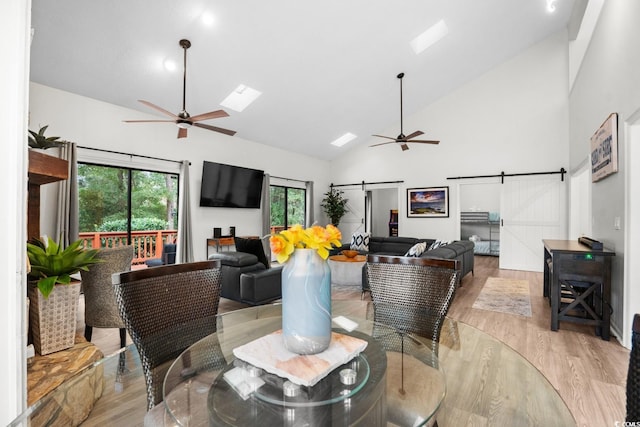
288 207
127 206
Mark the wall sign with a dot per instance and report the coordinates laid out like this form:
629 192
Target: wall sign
604 149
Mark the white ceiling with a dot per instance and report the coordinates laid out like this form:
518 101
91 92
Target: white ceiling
323 68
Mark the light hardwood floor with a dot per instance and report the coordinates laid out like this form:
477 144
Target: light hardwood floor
588 373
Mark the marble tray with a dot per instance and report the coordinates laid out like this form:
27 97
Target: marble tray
269 353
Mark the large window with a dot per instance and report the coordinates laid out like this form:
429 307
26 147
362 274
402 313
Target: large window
127 206
288 206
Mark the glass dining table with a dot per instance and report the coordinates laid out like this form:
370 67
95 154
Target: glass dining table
474 380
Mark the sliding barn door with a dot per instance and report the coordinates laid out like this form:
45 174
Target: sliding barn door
531 208
354 218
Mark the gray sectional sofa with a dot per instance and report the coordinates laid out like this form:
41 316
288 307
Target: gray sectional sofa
461 250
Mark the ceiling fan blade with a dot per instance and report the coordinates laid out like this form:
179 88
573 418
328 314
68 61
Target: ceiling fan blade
424 141
182 133
404 147
413 135
382 136
149 121
211 115
383 143
155 107
216 129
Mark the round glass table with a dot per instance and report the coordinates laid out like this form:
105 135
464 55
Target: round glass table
207 385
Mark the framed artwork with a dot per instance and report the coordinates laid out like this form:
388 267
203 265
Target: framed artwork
604 149
428 202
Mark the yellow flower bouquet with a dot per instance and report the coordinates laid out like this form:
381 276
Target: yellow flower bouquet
315 237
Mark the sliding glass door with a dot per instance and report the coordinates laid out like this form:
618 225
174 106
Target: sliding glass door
120 206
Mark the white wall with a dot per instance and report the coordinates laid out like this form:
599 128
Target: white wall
97 124
384 199
512 119
608 82
14 47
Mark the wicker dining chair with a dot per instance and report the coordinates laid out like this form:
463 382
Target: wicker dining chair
166 309
412 295
633 375
100 306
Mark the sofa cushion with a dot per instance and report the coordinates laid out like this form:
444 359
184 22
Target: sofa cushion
235 259
391 245
417 249
252 246
439 243
360 241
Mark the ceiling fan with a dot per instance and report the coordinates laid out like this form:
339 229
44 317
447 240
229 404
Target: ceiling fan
183 119
402 139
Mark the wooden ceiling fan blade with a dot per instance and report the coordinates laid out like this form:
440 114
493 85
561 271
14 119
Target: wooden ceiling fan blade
404 147
182 133
155 107
413 135
215 129
424 141
383 143
210 115
382 136
149 121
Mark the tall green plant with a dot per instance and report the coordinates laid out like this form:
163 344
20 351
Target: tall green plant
334 205
50 264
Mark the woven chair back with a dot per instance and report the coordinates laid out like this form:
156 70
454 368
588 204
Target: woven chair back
633 375
166 309
413 295
100 306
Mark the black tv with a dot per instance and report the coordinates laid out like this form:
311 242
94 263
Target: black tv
227 186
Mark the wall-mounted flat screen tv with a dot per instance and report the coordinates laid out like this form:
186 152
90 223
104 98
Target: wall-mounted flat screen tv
227 186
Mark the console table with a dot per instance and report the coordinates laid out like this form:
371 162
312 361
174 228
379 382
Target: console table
577 281
218 242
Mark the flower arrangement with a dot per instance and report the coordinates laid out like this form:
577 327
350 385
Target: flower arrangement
315 237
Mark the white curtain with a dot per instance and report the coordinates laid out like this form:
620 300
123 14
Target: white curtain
309 215
266 212
67 209
184 250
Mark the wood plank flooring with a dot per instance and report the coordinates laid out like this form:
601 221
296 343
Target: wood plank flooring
588 373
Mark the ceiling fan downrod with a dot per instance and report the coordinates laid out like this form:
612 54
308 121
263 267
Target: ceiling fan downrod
401 136
185 44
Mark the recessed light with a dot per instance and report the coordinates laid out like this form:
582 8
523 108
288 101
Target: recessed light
208 19
344 139
169 64
551 6
240 98
432 35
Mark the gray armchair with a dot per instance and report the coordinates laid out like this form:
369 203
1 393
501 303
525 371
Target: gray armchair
100 307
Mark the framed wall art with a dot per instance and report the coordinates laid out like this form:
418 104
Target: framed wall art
604 149
428 202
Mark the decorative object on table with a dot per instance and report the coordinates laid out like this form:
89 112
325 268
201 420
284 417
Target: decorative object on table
334 205
268 353
349 253
428 202
53 295
306 286
505 295
604 149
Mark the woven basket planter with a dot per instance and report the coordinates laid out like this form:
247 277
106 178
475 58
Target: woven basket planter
53 320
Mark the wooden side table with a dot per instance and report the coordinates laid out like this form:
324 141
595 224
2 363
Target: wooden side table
347 271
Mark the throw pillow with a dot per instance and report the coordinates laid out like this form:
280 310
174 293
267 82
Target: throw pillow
252 246
417 249
360 241
439 243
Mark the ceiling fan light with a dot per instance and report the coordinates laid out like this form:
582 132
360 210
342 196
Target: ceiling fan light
431 36
183 124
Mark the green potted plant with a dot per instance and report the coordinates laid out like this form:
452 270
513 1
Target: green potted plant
53 293
38 140
334 205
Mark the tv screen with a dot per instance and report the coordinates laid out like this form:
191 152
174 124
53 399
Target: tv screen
228 186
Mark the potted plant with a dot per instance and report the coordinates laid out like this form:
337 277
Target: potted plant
53 294
334 205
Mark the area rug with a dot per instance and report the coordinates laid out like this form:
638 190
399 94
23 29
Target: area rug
509 296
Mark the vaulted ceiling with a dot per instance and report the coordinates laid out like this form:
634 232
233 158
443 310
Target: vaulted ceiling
323 69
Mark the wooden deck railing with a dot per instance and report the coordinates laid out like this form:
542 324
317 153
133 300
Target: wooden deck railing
147 244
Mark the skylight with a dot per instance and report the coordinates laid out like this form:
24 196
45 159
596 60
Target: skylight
432 35
240 98
344 139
